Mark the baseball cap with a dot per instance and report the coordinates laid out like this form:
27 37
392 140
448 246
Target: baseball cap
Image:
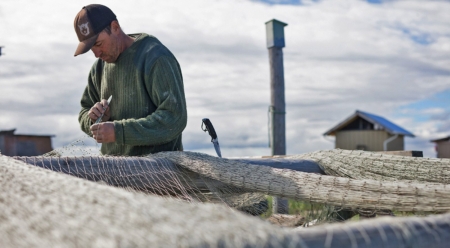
88 24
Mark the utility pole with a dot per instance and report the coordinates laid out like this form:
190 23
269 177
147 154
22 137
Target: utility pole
277 109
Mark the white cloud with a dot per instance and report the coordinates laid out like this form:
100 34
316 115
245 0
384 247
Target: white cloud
339 56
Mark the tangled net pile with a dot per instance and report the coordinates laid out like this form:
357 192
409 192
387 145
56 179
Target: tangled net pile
49 208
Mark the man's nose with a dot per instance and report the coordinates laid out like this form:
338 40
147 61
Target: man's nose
96 52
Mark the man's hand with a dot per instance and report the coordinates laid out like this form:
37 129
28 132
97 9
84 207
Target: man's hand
103 132
96 111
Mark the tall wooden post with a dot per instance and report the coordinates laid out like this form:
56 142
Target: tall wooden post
277 109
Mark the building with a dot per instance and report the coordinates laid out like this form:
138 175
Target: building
442 147
369 132
24 144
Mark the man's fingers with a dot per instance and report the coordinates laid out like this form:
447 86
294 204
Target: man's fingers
96 133
98 109
95 112
103 106
104 103
98 139
95 128
92 115
103 132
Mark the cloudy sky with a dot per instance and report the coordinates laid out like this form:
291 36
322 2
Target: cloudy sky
389 58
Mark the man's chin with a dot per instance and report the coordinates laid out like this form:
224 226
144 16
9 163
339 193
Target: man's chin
108 60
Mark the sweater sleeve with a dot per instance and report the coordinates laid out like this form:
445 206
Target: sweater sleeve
164 84
90 96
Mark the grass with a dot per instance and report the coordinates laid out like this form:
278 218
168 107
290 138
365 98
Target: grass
310 211
325 213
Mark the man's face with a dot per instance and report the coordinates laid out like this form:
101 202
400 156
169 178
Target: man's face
106 47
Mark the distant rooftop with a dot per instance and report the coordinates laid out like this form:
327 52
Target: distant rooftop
12 132
380 122
441 139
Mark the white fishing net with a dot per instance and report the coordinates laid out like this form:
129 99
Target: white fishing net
176 181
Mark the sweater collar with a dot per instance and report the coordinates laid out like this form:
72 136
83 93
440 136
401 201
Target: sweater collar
138 37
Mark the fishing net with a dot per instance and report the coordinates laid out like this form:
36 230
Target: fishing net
365 183
318 188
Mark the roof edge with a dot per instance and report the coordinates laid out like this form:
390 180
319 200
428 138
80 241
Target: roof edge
441 139
366 116
332 131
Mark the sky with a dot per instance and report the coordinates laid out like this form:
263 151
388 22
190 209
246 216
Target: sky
389 58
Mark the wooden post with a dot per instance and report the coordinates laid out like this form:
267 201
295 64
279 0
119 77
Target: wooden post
277 109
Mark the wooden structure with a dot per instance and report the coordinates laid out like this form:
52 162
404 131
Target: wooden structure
12 144
277 109
368 132
442 147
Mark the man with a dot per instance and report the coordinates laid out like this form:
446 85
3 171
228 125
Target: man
147 113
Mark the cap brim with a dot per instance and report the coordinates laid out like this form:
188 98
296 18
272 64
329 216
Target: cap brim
85 45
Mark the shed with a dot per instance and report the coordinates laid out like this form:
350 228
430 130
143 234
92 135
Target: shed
12 144
442 147
369 132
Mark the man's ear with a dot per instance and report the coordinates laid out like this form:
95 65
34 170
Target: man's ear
115 27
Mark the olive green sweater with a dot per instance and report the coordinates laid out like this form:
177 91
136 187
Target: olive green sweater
148 106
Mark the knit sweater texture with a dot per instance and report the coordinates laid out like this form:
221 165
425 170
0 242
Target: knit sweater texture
148 106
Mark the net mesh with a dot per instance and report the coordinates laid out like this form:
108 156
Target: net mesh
200 177
363 183
381 167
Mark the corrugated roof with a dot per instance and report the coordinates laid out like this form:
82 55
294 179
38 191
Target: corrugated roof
374 119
